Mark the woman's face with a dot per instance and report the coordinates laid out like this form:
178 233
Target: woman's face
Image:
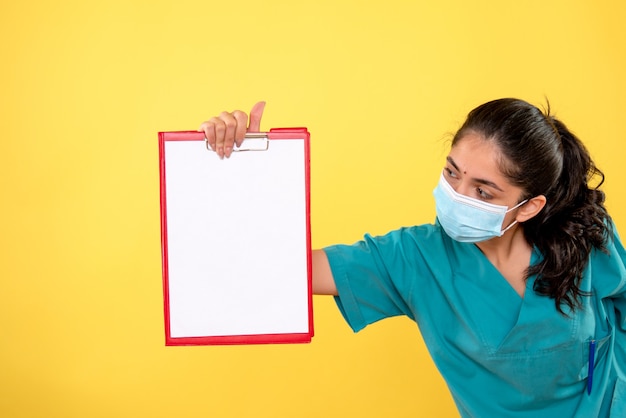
472 169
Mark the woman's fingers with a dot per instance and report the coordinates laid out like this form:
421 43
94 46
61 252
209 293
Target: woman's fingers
208 127
228 129
240 130
225 140
255 117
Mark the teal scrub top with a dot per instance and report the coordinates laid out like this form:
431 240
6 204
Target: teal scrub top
501 355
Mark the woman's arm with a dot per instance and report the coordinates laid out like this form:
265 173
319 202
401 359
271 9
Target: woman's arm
323 281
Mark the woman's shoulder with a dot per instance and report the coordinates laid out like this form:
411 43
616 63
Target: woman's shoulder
426 242
420 236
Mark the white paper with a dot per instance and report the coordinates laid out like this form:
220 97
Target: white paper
236 240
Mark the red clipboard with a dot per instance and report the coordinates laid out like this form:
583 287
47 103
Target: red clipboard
235 239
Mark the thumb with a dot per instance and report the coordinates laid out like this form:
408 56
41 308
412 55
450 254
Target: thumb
255 117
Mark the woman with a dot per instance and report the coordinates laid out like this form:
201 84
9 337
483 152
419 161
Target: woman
519 288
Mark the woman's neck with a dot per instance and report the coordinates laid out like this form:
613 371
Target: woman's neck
510 255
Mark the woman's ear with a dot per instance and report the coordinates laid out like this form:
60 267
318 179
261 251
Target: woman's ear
531 208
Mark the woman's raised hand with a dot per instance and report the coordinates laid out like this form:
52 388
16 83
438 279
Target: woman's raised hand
228 129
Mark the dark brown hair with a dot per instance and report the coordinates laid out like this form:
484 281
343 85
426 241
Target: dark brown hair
542 157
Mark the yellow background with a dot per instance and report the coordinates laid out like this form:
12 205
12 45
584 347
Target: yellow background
86 85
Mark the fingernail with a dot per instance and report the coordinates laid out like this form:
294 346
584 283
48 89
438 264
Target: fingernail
228 151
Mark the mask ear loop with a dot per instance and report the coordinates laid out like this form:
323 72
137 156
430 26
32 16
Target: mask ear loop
518 205
508 227
515 221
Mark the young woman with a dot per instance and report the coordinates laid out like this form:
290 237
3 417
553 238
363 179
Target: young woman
518 289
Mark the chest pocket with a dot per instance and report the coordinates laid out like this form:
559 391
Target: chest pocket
552 373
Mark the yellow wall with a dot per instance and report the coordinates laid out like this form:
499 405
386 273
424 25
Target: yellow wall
86 85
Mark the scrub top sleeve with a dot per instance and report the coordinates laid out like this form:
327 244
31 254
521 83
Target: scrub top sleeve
370 282
346 301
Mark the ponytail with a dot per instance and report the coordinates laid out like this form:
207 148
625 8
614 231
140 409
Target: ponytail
573 223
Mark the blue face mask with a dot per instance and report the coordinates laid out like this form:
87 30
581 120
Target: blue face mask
466 219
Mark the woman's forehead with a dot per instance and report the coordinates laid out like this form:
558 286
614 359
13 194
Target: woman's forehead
474 154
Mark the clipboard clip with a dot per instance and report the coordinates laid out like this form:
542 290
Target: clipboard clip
253 141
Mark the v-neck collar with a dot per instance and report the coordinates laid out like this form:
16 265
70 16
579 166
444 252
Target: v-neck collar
503 283
492 303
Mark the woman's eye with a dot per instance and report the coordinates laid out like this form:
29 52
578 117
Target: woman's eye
450 172
483 194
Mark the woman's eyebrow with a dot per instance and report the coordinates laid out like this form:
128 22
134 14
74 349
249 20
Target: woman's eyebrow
487 183
477 180
451 161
